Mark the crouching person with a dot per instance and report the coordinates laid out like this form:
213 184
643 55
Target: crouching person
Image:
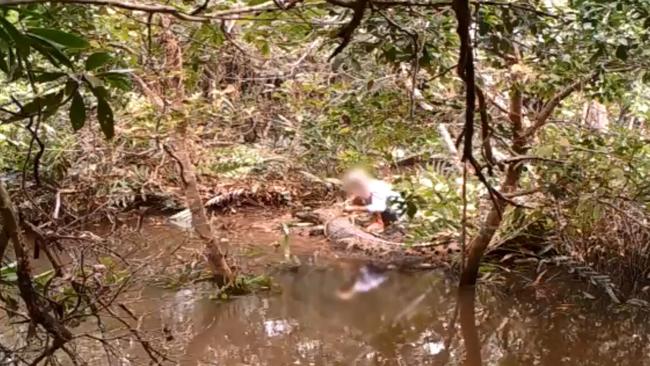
375 196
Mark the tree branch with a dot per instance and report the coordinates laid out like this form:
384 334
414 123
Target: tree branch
359 8
549 107
518 159
36 311
466 72
485 127
155 8
201 8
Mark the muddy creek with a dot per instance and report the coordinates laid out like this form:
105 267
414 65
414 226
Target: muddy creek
403 321
334 312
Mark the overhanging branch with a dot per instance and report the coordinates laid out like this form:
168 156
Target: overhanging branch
156 8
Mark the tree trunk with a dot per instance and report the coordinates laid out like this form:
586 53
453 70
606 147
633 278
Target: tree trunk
37 312
479 243
213 252
468 329
521 137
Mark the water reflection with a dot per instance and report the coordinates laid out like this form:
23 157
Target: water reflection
366 278
468 329
400 319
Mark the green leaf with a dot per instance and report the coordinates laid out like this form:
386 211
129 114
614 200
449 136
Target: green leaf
33 107
97 60
105 118
71 86
93 82
67 40
8 272
4 66
19 39
621 52
5 38
50 51
266 49
77 111
15 68
52 103
49 76
117 80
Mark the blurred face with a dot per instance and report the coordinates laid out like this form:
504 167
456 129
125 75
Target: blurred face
358 189
356 184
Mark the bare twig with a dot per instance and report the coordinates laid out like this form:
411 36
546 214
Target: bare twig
622 212
518 159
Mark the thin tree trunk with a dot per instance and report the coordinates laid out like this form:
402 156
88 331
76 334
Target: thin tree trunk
4 242
173 97
37 313
451 147
480 242
214 254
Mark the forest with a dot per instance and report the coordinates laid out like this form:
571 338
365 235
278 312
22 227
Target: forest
195 182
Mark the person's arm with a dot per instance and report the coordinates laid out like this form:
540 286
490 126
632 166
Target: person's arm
355 208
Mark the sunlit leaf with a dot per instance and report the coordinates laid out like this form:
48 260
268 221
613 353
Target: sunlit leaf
97 60
8 272
94 82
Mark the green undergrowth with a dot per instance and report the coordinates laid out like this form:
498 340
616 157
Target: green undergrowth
367 129
187 276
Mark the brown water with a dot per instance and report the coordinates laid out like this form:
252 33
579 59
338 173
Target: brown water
350 314
404 321
335 313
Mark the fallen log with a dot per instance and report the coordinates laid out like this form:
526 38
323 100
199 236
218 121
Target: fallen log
344 235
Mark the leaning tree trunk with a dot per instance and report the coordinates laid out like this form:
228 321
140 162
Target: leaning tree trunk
492 222
36 309
168 95
216 256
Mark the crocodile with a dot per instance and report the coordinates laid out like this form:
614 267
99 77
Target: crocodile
343 234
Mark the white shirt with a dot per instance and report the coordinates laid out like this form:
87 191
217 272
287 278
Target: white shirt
380 192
